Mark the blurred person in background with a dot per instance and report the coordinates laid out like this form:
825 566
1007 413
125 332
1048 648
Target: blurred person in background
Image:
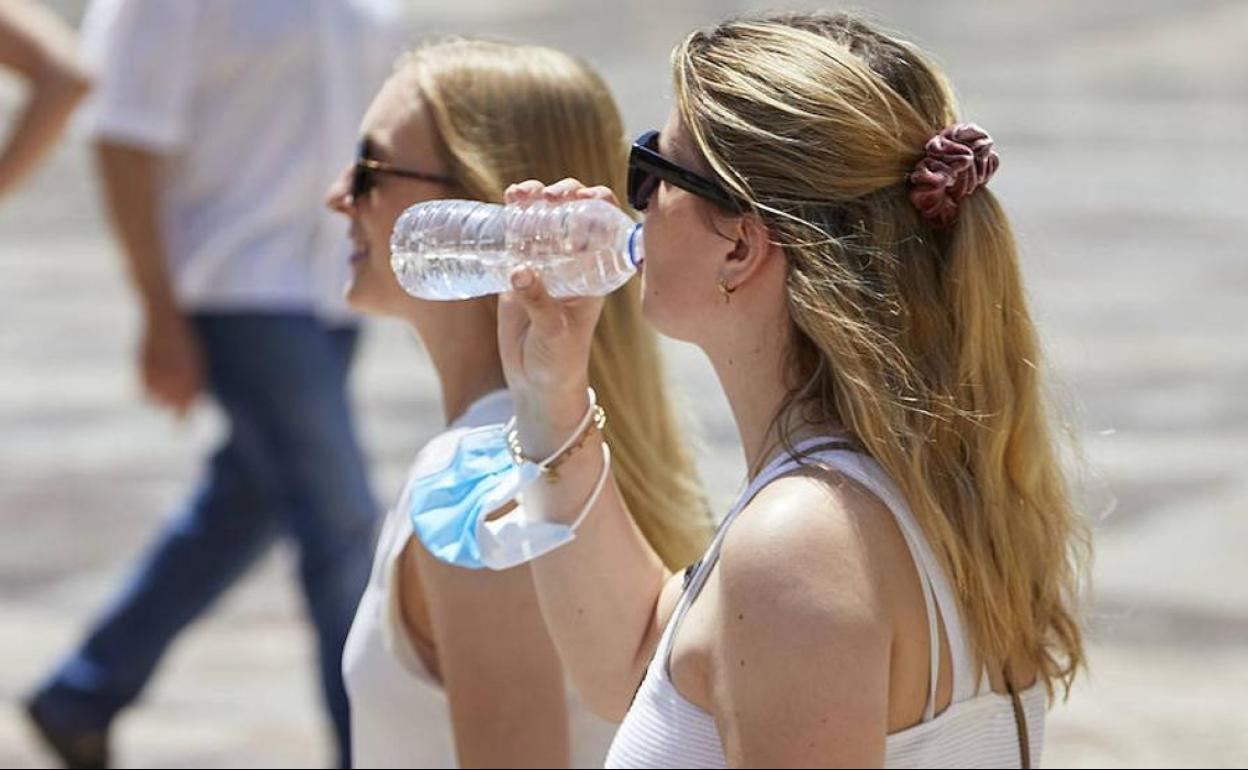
217 125
462 119
37 46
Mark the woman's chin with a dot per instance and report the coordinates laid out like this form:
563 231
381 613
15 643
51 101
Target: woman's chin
358 295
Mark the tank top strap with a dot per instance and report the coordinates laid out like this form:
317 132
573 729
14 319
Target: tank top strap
937 589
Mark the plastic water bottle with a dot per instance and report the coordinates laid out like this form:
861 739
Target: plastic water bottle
456 249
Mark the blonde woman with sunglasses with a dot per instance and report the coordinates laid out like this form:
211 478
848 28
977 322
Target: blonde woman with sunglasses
899 583
463 119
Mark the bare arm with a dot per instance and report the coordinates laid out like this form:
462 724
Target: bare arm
130 177
800 671
606 596
502 675
38 46
603 595
170 358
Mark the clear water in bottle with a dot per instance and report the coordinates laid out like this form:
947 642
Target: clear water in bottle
456 249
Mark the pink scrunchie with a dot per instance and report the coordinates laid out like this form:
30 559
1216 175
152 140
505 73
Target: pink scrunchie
959 161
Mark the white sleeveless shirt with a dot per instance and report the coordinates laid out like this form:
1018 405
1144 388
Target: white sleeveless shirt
399 712
978 729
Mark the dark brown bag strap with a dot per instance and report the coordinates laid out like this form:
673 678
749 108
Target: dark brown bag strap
1020 722
1020 716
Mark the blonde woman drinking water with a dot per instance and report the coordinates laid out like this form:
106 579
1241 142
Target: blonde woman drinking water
898 583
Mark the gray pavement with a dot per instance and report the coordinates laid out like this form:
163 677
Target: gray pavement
1121 127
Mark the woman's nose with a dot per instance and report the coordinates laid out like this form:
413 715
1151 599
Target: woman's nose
338 197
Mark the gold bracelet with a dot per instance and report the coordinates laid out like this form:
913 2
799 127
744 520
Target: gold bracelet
550 470
595 419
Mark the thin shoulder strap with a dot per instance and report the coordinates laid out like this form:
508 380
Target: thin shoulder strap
867 472
861 469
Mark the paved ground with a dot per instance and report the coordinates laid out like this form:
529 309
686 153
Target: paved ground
1121 128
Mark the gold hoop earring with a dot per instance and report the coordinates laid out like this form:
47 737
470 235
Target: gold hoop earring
726 290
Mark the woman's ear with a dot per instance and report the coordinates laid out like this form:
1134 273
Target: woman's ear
752 252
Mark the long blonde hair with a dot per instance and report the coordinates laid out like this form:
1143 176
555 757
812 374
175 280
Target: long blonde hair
916 339
505 112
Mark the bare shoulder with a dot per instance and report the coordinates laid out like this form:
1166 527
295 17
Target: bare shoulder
805 625
812 543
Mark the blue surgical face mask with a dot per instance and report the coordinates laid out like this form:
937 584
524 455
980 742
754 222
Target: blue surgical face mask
463 476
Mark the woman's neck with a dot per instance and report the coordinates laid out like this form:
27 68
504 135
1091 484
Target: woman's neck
753 371
462 341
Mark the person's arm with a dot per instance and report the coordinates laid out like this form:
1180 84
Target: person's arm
38 46
801 662
503 679
603 595
170 359
142 55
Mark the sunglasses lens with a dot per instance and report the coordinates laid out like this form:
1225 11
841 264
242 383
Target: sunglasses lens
645 189
361 176
361 182
634 185
641 184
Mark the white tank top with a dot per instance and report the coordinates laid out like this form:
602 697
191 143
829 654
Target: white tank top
399 714
978 729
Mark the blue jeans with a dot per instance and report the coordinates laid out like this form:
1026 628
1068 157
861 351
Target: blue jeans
290 465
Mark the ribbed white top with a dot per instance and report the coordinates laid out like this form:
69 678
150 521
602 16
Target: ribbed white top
663 729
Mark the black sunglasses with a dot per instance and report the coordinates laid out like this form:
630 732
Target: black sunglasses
647 168
364 174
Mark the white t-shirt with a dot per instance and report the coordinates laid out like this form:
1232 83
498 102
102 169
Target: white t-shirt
399 714
255 107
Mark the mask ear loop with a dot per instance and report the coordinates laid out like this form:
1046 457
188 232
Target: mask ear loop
598 487
594 494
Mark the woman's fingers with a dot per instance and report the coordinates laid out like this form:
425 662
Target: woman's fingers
524 192
544 312
599 192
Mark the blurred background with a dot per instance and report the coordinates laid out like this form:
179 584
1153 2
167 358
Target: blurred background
1121 130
